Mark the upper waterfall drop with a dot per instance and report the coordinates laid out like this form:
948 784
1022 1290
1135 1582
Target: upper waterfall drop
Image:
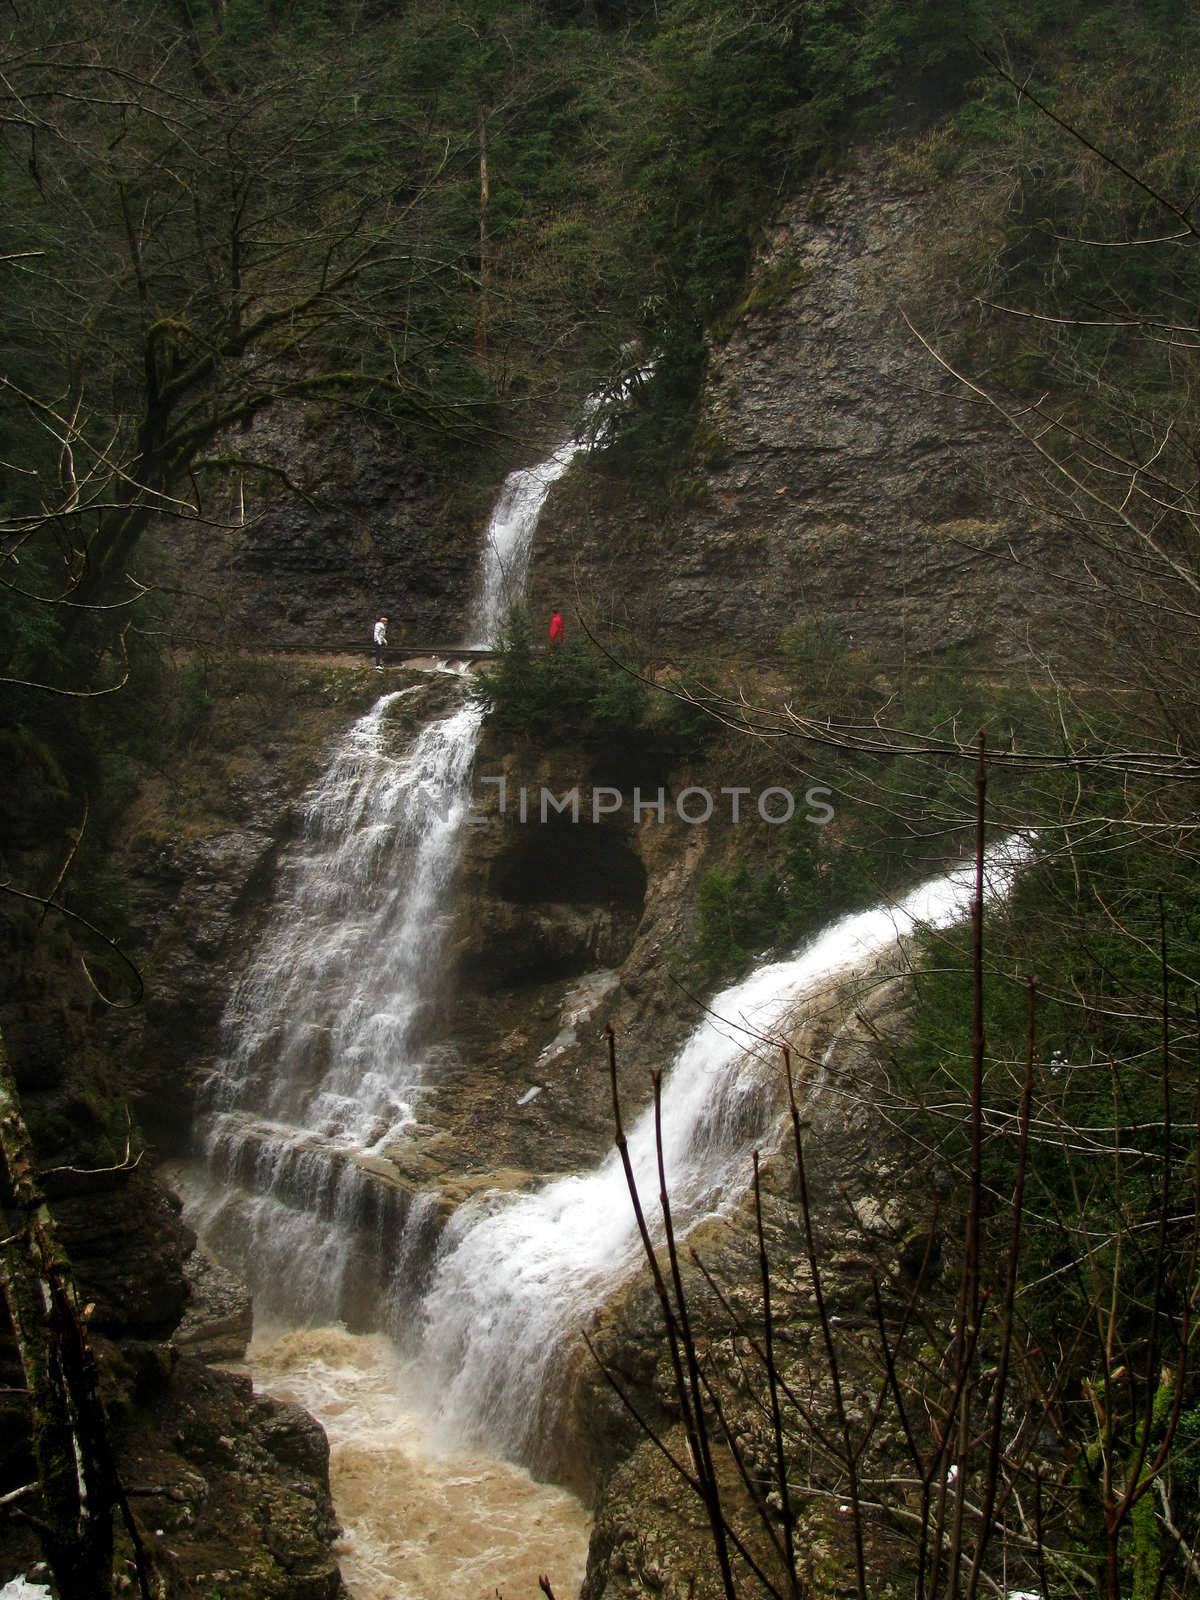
519 1274
508 542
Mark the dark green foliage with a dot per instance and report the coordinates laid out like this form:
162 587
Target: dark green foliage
1062 220
1089 924
577 692
737 914
1109 1216
900 814
558 694
27 625
630 175
744 911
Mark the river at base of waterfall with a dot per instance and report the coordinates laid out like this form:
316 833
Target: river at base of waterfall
424 1516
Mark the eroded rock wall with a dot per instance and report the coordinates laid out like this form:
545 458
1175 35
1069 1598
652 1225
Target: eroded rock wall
837 476
356 519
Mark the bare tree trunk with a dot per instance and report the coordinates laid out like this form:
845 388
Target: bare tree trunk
485 266
78 1484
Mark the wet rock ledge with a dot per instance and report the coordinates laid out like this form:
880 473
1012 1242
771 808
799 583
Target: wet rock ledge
232 1490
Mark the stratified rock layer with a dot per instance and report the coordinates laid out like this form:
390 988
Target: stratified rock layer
838 477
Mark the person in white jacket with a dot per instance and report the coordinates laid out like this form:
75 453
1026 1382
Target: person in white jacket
380 641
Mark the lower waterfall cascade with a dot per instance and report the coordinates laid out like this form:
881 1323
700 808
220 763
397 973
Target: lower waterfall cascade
517 1275
514 1277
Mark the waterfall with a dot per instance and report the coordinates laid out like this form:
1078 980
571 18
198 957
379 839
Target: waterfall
326 1036
508 543
518 1275
327 1053
324 1028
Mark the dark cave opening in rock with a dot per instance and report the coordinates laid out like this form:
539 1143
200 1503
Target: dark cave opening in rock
565 863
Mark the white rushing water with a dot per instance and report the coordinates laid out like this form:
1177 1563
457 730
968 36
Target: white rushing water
324 1028
508 541
327 1033
518 1275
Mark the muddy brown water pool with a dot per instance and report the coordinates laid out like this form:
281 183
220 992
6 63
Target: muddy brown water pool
424 1517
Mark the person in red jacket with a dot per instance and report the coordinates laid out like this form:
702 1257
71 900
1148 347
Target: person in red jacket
556 629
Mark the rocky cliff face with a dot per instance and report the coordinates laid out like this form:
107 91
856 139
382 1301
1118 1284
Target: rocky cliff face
837 475
369 520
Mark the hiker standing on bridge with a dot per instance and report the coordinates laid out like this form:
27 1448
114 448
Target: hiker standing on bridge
380 641
556 629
